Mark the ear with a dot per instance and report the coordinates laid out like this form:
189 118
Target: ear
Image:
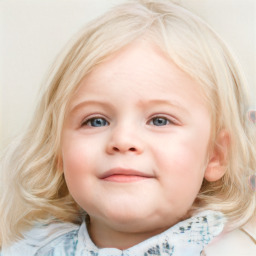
216 167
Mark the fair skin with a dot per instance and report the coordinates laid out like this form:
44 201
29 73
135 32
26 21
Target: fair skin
134 146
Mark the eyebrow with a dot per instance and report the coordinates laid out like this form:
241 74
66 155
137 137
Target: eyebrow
173 103
85 103
141 104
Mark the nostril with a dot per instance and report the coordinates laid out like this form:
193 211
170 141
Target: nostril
116 149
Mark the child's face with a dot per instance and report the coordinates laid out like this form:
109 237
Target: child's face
135 141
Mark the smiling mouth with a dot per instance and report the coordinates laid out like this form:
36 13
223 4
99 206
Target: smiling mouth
124 175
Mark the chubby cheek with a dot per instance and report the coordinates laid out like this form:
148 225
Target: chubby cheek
76 166
181 171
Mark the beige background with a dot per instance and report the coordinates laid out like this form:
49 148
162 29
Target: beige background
32 32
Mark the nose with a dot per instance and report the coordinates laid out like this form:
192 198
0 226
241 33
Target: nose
124 140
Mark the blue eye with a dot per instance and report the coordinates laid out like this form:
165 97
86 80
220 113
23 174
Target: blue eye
96 122
159 121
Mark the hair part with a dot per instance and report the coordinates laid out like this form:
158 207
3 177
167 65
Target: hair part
32 184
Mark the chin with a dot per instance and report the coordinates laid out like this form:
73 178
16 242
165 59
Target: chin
135 221
124 216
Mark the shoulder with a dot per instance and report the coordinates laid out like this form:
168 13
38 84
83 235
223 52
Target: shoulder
41 236
239 242
65 244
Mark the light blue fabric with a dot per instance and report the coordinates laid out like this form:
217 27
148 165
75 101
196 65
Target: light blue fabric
187 238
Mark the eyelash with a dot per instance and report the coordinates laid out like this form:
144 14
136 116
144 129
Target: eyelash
91 119
88 121
167 121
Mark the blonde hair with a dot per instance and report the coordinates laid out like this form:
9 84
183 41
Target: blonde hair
32 184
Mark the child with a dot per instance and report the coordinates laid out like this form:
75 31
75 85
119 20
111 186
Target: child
141 145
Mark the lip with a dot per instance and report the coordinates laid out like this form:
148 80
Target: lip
124 175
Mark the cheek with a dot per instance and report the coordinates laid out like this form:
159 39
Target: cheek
77 159
183 157
74 160
180 165
185 172
77 172
76 153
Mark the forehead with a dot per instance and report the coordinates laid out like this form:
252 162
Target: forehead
144 69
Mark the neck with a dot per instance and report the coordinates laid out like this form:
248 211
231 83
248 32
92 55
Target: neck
105 237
